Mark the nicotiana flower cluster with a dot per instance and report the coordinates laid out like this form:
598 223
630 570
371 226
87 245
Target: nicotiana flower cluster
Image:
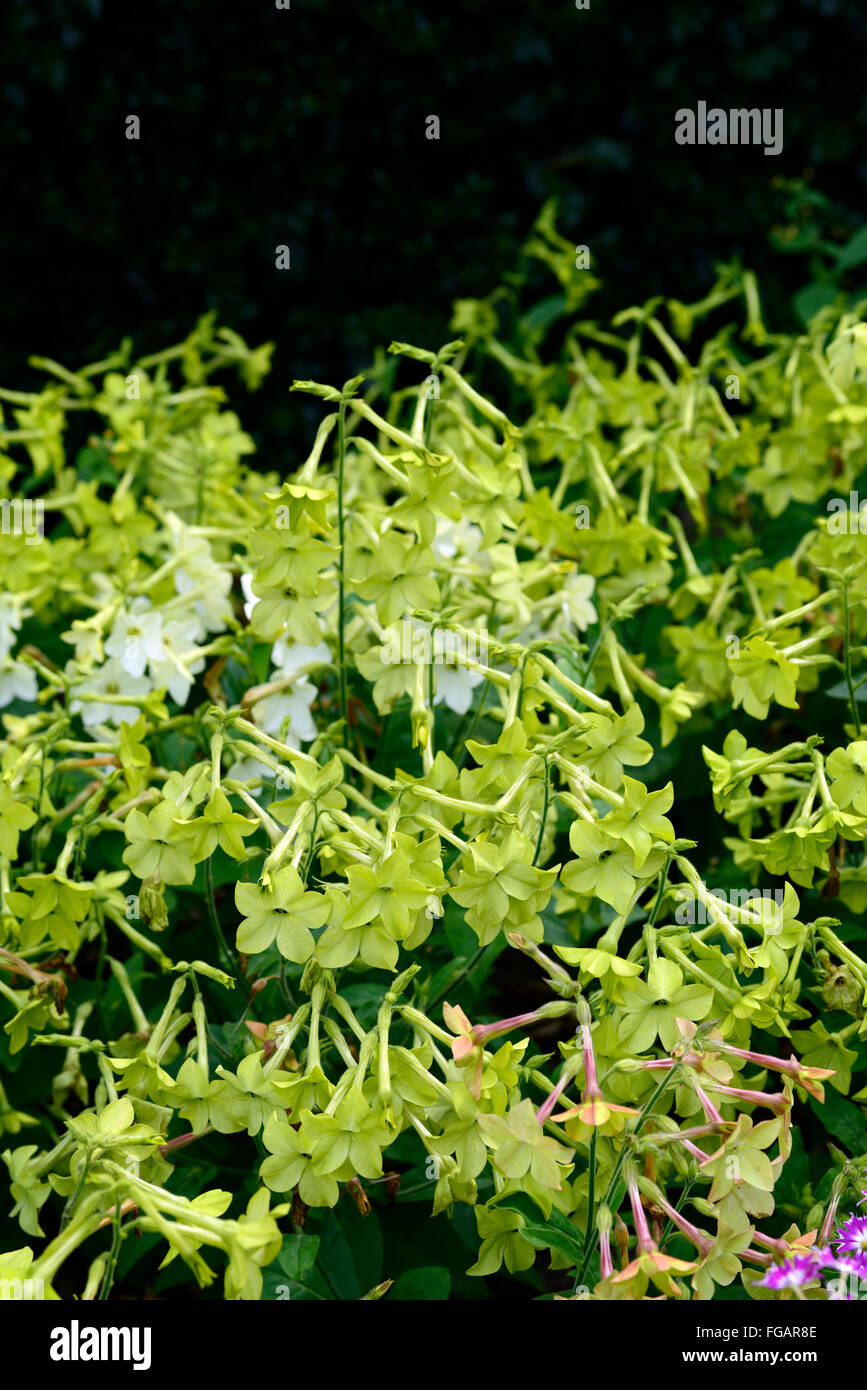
355 741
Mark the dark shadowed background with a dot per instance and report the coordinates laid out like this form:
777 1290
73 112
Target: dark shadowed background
306 127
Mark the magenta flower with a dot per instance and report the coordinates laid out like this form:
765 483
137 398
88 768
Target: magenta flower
801 1269
846 1289
794 1273
851 1237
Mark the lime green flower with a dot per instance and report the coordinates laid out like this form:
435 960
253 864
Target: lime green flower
159 843
285 913
651 1009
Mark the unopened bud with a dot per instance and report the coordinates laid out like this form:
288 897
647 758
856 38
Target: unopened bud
152 904
603 1219
704 1207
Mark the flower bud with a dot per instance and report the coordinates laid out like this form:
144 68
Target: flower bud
152 904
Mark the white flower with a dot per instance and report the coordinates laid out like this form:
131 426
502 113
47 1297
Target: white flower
454 536
136 638
575 604
11 614
247 590
454 686
290 657
212 603
180 634
250 770
178 681
532 632
17 682
181 663
293 704
110 679
87 643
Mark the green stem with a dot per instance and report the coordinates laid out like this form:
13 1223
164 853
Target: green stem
214 916
594 650
615 1176
663 876
544 814
591 1190
70 1205
847 637
461 740
341 578
111 1267
456 979
70 1237
670 1225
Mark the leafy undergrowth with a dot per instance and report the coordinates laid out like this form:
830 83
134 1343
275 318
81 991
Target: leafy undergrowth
438 874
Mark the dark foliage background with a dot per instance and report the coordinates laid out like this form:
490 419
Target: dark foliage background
307 127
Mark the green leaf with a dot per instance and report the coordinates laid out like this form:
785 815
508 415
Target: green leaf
351 1250
555 1233
431 1283
854 252
842 1119
298 1255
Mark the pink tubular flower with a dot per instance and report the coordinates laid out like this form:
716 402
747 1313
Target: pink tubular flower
708 1106
756 1257
649 1265
606 1266
782 1248
702 1242
691 1148
810 1078
642 1230
468 1043
830 1218
483 1031
593 1108
777 1101
544 1111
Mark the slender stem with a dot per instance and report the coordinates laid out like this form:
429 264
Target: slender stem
456 979
341 577
615 1176
461 740
663 876
594 650
544 814
70 1205
591 1190
847 665
671 1224
111 1267
223 945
